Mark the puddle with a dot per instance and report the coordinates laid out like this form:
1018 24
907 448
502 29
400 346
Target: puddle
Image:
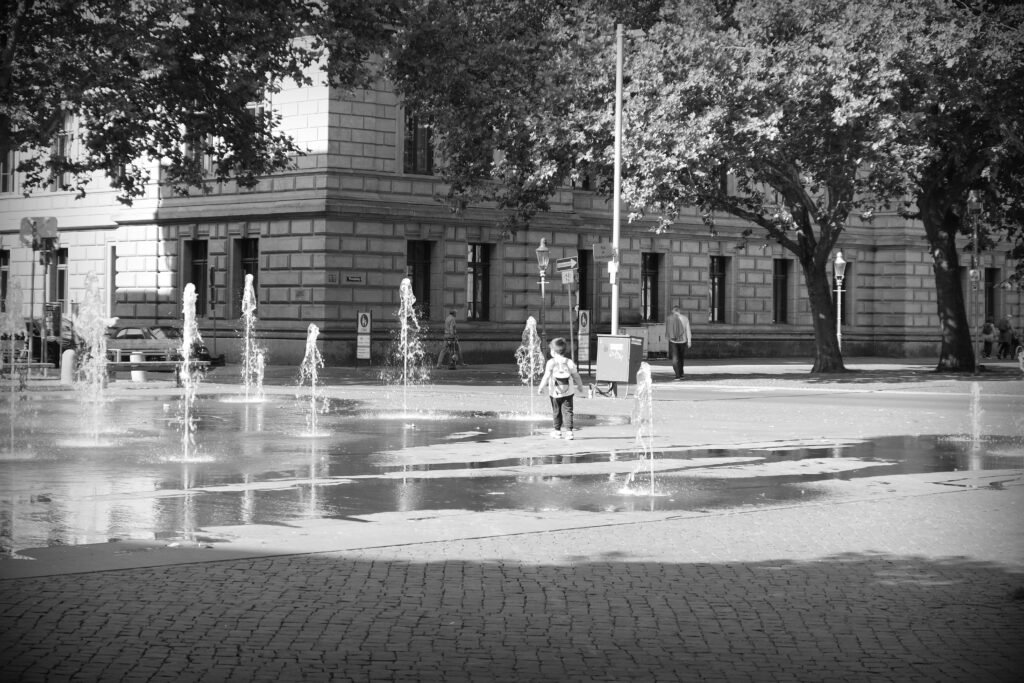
63 480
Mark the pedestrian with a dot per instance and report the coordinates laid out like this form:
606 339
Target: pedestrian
677 331
1005 338
451 351
988 336
563 380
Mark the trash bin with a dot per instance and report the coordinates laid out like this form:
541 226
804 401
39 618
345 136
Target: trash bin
138 375
618 357
67 367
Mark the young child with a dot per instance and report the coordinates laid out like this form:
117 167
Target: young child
562 379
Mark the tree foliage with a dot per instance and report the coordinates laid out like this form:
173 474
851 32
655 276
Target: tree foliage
815 108
168 81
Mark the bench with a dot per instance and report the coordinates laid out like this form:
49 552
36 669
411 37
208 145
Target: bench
156 366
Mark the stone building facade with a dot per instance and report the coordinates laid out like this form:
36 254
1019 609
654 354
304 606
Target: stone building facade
336 235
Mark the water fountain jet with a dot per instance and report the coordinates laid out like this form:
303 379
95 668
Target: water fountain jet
530 358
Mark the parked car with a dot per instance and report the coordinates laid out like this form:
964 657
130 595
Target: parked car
155 342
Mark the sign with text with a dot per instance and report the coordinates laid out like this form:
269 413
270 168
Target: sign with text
583 348
603 251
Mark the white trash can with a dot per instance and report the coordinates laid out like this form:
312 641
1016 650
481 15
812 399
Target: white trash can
138 375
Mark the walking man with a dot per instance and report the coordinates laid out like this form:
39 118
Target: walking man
677 331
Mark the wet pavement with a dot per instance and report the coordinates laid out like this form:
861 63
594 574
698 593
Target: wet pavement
796 529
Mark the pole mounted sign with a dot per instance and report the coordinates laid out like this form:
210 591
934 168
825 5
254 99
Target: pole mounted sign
35 229
564 264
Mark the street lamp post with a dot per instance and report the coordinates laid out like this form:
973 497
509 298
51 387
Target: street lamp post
543 259
839 270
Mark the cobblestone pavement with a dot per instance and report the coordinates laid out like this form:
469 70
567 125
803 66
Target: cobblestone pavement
864 590
910 580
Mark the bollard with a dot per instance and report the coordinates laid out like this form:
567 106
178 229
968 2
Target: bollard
67 367
138 375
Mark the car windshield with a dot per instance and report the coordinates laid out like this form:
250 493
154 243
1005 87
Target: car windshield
166 332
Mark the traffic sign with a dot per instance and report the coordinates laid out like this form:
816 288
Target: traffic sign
568 277
38 227
564 264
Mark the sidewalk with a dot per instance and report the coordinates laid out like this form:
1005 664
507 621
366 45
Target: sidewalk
896 578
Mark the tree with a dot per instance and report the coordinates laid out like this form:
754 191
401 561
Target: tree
168 81
962 107
783 96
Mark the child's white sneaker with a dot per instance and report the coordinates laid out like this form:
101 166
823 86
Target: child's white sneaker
556 434
568 436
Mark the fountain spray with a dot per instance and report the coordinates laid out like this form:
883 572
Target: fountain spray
12 323
188 374
530 357
253 358
310 370
643 418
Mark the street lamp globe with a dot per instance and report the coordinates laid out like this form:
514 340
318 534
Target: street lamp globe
543 257
839 266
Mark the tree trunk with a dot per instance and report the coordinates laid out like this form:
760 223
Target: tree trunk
941 225
828 357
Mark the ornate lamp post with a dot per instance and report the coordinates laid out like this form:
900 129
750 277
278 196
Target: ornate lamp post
543 259
839 271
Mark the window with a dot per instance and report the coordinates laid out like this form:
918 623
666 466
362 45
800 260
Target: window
195 260
197 152
419 152
59 152
780 291
650 270
59 284
7 171
417 269
991 282
585 291
716 288
478 282
5 273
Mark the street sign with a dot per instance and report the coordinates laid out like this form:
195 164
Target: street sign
34 228
568 277
583 347
603 251
564 264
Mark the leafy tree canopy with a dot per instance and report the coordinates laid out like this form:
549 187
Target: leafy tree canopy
153 79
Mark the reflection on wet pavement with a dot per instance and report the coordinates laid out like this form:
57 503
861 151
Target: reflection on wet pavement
66 480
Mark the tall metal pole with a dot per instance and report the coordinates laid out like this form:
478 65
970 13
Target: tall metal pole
613 265
839 312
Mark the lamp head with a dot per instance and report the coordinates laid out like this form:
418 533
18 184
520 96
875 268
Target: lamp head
839 265
543 257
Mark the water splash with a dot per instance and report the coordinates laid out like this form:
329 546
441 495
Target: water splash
406 362
643 418
530 358
253 356
188 373
309 372
90 326
975 412
12 324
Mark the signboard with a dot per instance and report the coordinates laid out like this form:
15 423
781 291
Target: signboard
38 227
363 322
569 277
604 251
564 264
362 347
583 348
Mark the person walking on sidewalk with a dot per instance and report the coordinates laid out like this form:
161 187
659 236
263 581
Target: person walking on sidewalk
563 380
1005 328
677 331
